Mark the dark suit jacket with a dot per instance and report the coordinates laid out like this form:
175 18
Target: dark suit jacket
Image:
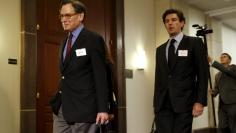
111 93
83 79
186 81
225 83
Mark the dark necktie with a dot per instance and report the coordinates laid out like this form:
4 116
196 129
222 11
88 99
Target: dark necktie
171 53
69 43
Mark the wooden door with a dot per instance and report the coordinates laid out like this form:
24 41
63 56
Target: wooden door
100 18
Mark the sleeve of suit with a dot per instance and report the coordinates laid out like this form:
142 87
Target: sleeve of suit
100 76
216 86
202 71
156 80
231 72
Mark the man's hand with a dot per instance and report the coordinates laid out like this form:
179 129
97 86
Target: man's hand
211 92
197 109
102 118
209 59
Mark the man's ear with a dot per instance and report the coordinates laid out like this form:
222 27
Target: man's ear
81 17
182 24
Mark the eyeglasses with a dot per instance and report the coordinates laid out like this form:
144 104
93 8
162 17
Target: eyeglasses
67 16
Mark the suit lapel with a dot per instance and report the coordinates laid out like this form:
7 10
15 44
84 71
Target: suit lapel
164 58
181 44
78 41
61 49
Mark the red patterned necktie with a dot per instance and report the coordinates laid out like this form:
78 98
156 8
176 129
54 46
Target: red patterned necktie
69 44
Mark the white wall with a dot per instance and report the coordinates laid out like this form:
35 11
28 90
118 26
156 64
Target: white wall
194 17
139 36
10 74
229 42
161 33
216 45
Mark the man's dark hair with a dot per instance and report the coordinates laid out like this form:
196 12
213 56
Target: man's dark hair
78 6
227 55
173 11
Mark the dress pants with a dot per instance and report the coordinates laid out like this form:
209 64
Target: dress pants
227 117
61 126
168 121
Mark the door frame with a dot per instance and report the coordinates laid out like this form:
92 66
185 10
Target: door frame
121 84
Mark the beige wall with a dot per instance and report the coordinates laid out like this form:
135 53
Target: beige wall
139 37
161 34
10 74
229 42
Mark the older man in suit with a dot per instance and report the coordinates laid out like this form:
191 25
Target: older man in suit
181 77
225 86
83 85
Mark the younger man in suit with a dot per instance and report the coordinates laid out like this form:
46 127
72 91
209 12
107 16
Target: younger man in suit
225 86
181 77
83 85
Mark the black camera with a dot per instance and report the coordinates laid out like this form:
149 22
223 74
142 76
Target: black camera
202 30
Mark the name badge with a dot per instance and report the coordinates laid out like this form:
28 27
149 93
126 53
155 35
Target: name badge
80 52
183 53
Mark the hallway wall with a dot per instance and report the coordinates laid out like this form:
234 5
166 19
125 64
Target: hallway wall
10 74
139 46
229 42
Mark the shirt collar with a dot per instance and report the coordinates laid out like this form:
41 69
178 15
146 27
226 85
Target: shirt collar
178 37
77 31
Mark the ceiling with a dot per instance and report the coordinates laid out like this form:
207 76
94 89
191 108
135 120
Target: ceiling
224 10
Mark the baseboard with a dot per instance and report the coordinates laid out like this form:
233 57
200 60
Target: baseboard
206 130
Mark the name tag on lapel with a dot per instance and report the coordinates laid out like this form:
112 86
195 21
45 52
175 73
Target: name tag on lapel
183 53
80 52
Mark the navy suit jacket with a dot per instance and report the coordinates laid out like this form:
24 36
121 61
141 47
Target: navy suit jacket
84 79
187 80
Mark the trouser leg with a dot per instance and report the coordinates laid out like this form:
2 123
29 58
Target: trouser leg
59 124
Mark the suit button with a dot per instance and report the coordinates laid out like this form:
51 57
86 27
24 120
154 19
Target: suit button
170 76
62 77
